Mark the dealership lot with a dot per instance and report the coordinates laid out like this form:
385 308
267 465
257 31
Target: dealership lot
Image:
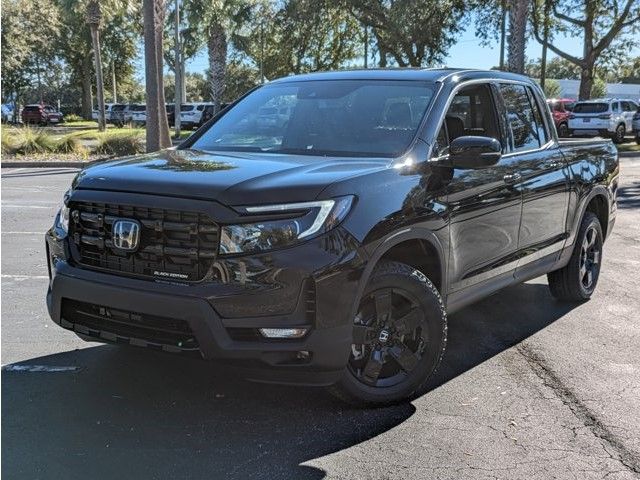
529 388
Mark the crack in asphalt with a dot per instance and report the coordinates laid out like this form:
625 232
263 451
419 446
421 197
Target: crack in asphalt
538 364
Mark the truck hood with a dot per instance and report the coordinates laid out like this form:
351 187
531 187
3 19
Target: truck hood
229 178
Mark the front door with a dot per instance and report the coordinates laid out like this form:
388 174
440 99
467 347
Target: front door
485 203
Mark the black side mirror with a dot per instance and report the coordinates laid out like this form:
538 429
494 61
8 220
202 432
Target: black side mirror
474 152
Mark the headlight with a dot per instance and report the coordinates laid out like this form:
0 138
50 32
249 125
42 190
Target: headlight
62 219
314 217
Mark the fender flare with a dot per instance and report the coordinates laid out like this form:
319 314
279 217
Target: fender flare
386 244
596 190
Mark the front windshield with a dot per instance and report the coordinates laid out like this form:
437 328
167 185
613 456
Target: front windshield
329 117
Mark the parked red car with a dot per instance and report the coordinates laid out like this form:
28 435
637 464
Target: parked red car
41 114
560 109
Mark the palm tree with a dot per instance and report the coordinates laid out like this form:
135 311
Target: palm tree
93 18
518 15
157 124
221 19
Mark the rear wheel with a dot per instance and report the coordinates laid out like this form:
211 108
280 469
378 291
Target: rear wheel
399 337
577 281
563 130
618 136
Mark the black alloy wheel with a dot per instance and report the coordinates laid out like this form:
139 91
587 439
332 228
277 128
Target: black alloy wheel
388 338
590 253
577 280
399 337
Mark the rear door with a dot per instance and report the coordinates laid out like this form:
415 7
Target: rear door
544 175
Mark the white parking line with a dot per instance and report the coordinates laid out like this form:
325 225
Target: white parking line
23 277
52 206
22 233
39 368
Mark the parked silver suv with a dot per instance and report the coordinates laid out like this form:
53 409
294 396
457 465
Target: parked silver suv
610 117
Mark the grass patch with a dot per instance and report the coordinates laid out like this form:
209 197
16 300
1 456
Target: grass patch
73 118
628 147
96 135
79 123
119 144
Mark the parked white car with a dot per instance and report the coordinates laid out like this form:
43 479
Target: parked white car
119 114
107 112
138 114
611 117
191 114
636 125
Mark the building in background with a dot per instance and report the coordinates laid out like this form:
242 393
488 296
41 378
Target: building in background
569 89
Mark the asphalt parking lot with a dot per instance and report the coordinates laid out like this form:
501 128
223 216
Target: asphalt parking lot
529 388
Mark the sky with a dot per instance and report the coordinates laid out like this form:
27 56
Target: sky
467 52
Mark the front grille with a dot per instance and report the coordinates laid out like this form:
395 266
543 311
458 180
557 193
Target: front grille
174 244
128 327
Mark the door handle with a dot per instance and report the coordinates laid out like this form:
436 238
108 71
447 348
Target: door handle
512 178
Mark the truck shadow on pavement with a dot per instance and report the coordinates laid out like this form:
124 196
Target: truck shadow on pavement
138 414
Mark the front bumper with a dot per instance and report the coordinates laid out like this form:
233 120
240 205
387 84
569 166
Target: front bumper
318 358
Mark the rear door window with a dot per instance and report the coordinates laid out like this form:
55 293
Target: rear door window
524 129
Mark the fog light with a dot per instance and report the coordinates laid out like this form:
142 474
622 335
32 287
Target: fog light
303 355
283 332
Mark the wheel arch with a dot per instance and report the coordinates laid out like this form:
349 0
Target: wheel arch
599 205
598 202
397 246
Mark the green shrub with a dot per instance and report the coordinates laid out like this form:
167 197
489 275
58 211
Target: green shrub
34 140
9 143
70 144
120 144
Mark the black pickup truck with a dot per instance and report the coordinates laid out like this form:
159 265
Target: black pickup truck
327 245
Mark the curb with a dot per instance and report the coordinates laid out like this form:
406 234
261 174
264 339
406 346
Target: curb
635 155
44 164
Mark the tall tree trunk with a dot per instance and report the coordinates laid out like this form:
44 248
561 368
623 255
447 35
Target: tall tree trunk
217 49
503 30
163 121
157 127
518 14
95 40
586 82
87 96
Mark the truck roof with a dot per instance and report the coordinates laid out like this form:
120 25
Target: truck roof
427 74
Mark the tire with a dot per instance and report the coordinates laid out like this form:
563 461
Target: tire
577 281
618 136
563 130
400 334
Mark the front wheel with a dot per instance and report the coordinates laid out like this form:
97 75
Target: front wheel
399 337
577 281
